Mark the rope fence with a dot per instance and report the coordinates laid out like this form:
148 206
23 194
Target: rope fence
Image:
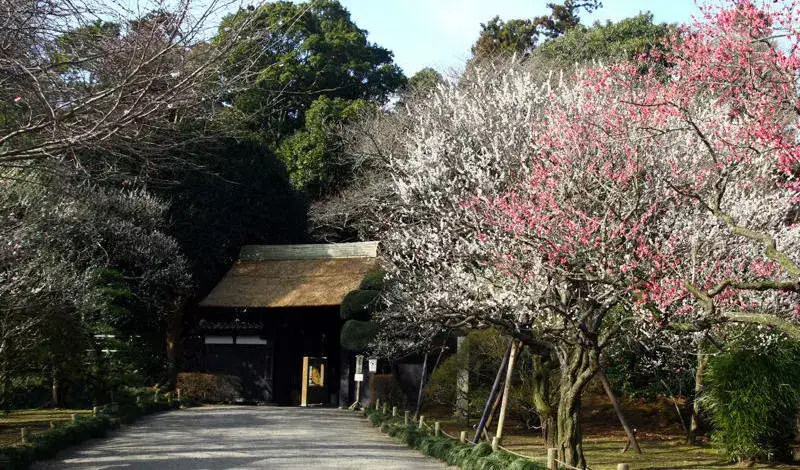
552 454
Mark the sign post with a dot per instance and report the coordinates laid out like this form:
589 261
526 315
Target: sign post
358 377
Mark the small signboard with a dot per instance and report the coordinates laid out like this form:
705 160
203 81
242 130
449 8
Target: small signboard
373 365
359 375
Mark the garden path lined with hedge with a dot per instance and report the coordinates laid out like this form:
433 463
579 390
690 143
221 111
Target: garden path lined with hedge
247 437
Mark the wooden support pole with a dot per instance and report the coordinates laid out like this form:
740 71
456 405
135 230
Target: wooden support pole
462 437
495 443
304 385
495 387
405 418
421 422
506 391
552 454
437 428
618 410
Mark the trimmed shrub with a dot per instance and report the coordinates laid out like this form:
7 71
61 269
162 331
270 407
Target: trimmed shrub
209 388
356 335
466 456
359 305
373 280
386 388
49 443
752 398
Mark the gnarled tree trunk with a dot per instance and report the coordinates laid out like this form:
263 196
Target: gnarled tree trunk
577 366
542 368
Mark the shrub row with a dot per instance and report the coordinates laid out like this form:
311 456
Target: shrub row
49 443
465 456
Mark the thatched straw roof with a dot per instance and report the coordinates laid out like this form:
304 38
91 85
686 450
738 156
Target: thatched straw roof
293 275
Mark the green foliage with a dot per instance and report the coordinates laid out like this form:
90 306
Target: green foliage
752 397
624 39
48 444
359 304
424 81
373 280
465 456
309 153
356 335
521 36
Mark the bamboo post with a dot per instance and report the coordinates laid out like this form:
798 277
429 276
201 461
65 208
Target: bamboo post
23 434
74 417
551 459
495 443
394 412
462 437
421 421
437 428
506 391
492 394
405 418
622 466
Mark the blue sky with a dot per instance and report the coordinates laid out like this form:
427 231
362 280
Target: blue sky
439 33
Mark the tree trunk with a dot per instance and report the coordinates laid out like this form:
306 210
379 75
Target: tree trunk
173 338
542 369
462 380
618 409
54 390
695 424
577 367
5 389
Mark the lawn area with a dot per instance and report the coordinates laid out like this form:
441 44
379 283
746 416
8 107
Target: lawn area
659 433
35 420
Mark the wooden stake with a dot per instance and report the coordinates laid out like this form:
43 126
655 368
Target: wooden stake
23 434
552 455
74 418
437 428
495 388
618 409
462 437
622 466
507 391
421 421
495 443
394 412
405 418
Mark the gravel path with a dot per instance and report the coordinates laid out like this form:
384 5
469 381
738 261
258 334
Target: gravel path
246 437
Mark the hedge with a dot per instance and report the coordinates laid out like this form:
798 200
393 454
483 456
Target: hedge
356 335
358 305
465 456
48 444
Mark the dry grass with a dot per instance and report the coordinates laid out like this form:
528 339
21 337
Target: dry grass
659 433
35 420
